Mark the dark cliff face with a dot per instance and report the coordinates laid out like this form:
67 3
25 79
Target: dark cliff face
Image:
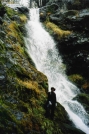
73 47
70 4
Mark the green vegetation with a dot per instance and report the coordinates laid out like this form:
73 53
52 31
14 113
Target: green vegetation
10 12
77 79
23 18
14 32
84 100
80 82
54 29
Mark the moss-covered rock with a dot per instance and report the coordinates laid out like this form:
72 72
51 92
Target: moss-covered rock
22 86
56 31
77 79
84 100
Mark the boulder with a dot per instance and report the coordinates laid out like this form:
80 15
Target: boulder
16 18
83 98
23 10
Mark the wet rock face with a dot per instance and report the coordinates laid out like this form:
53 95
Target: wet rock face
3 77
71 4
42 16
73 15
71 19
74 48
79 22
77 4
84 100
23 10
47 10
16 18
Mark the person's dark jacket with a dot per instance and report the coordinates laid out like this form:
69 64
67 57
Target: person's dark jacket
52 97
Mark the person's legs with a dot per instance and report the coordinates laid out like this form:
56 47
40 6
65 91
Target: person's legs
48 110
52 111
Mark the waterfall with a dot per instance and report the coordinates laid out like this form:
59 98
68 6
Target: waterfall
42 48
25 3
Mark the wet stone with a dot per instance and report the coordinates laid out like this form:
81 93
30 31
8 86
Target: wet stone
8 65
8 46
2 77
17 114
10 99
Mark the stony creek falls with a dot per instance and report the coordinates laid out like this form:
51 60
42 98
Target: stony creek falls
43 51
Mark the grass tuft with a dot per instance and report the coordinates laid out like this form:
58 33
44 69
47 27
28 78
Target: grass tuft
56 30
23 18
30 85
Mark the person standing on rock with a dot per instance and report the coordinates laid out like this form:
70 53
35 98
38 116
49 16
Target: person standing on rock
51 103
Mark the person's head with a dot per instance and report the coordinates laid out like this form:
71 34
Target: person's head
52 89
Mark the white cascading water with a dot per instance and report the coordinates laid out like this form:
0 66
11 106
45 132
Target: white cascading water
24 2
42 49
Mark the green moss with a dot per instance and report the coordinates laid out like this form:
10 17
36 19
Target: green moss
2 60
5 114
8 120
56 30
77 79
23 18
77 3
45 85
2 46
14 31
80 82
83 98
10 12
